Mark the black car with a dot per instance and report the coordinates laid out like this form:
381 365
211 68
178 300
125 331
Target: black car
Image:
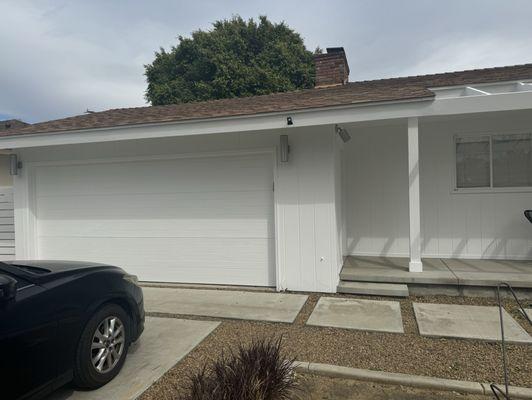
63 321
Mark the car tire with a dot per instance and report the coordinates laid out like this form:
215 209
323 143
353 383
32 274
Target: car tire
101 351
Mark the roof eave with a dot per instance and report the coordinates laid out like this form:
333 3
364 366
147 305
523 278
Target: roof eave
292 112
418 107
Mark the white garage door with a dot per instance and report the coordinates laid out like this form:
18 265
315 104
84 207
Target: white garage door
205 219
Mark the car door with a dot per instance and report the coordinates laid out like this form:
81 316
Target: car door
27 342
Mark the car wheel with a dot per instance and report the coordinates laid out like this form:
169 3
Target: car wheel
102 348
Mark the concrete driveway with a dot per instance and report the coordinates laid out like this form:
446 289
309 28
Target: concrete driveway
164 342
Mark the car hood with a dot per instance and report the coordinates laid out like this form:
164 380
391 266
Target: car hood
46 270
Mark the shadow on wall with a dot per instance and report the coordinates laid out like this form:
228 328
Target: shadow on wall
487 225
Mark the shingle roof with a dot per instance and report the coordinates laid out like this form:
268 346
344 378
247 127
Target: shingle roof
392 89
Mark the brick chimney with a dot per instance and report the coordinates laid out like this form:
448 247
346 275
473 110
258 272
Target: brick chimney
331 67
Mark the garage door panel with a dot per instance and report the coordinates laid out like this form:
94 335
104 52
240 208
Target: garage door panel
174 259
256 205
177 216
221 228
211 174
203 220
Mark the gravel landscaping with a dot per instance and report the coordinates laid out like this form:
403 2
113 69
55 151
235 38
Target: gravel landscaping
406 353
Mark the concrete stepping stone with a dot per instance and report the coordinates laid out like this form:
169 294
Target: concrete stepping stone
367 315
259 306
467 322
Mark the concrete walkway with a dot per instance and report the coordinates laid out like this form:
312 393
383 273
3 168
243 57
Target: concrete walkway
462 272
469 322
164 342
367 315
434 320
276 307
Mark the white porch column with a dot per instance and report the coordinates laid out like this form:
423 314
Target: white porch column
415 264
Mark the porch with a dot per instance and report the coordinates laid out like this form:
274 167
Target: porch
439 276
408 225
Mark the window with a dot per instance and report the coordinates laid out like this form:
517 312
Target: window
512 160
473 162
494 161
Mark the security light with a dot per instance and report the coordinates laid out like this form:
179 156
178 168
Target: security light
344 135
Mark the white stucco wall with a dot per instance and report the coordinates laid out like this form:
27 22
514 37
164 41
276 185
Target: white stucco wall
482 225
307 251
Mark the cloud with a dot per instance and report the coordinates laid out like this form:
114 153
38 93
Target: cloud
46 73
473 53
59 58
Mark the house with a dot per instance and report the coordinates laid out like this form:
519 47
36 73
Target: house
277 190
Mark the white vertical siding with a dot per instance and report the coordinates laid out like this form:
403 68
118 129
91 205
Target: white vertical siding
339 203
482 225
306 197
377 191
471 225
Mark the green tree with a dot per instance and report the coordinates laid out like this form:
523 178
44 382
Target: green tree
236 58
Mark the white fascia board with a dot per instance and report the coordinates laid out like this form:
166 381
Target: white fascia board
479 85
478 91
426 107
524 86
480 104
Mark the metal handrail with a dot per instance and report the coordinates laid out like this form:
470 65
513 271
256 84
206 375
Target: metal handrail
494 388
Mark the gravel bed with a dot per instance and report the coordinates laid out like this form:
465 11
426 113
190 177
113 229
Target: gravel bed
406 353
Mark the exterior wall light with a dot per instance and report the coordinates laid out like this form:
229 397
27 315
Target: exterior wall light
14 164
344 135
289 121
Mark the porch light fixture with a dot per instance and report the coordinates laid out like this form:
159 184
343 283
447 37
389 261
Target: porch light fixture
284 148
14 164
344 135
289 121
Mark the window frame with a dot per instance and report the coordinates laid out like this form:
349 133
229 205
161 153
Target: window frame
510 189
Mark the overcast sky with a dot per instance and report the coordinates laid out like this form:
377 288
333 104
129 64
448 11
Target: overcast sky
60 57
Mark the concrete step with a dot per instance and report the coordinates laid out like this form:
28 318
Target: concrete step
443 277
372 288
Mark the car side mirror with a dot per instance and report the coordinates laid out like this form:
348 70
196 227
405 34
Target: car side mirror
8 288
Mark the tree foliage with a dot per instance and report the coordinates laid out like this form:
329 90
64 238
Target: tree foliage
236 58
